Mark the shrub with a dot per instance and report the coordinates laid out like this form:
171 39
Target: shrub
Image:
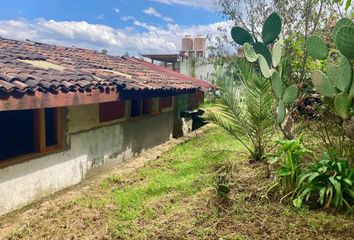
289 157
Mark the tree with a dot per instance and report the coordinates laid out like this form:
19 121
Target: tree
300 19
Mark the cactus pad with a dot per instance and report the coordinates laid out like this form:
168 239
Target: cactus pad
316 47
250 54
276 53
290 95
339 71
241 36
281 110
345 41
351 91
277 85
322 83
341 22
262 49
342 104
266 72
271 28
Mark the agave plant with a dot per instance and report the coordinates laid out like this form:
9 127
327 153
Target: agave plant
248 117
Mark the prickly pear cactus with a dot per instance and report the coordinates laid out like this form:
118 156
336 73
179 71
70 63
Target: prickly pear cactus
250 53
339 70
316 47
322 83
268 53
277 85
241 36
345 41
271 28
338 82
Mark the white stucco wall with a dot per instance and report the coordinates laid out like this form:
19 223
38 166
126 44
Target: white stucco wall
203 69
91 146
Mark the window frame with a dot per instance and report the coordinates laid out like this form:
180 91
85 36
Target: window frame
40 138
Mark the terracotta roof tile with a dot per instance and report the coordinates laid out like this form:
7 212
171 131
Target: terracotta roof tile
29 66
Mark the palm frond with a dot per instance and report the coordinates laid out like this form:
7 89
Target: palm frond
245 108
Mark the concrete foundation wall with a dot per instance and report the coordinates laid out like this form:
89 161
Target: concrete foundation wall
91 147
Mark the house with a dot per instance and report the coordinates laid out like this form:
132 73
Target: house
66 113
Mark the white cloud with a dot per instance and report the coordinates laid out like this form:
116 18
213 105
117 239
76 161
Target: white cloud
127 18
153 12
98 36
100 17
195 3
144 25
116 10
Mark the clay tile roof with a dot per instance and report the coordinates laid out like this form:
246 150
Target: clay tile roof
29 66
203 85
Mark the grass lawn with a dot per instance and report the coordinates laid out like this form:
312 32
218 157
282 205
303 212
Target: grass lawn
173 197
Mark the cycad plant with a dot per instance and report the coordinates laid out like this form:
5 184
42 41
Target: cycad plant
244 108
268 52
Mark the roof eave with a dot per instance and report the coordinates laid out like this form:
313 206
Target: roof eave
37 100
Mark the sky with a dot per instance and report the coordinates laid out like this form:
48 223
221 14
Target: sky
119 26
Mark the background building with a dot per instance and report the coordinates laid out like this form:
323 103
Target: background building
192 60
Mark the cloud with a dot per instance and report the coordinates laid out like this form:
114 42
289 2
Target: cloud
127 18
207 4
153 12
116 10
117 41
144 25
100 17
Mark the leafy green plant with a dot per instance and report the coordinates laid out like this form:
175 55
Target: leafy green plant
248 117
289 157
268 53
329 182
221 185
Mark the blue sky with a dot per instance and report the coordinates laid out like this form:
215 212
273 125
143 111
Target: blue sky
134 26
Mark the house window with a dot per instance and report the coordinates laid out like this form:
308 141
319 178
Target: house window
136 107
17 133
27 132
146 106
141 107
111 111
166 102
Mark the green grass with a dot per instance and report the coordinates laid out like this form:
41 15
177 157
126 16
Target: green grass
182 171
173 197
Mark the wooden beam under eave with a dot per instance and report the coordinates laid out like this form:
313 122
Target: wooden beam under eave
49 100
